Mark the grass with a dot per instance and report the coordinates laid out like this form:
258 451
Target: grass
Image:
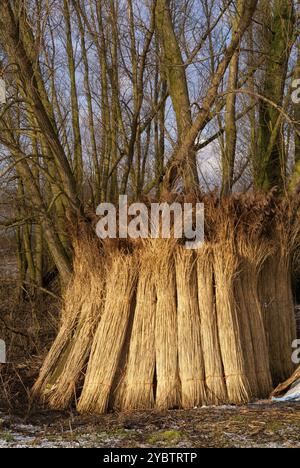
7 437
167 437
275 426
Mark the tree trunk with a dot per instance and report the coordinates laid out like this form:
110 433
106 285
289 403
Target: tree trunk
78 159
269 169
230 118
174 69
179 157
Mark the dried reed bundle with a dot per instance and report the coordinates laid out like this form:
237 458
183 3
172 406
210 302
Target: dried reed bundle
288 232
110 335
118 389
215 381
276 298
241 303
80 347
166 340
190 353
252 255
75 297
139 388
229 325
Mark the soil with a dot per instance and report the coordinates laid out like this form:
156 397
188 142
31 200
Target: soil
260 425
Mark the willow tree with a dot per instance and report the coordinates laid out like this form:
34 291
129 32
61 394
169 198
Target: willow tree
174 68
90 105
297 109
15 39
178 163
278 39
77 146
294 184
228 156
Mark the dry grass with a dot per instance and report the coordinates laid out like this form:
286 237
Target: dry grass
28 328
168 392
62 370
79 350
139 379
110 335
253 254
191 363
278 304
250 308
215 382
229 326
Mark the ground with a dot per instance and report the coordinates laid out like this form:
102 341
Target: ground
261 425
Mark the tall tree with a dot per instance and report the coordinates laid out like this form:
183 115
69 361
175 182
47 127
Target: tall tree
77 145
173 67
278 37
178 161
230 116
